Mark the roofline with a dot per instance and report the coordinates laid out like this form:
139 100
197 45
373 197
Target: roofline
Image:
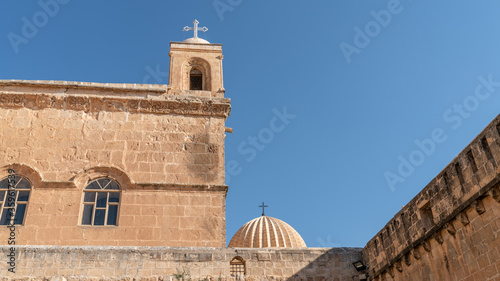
126 87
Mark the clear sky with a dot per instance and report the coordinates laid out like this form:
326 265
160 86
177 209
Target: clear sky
358 87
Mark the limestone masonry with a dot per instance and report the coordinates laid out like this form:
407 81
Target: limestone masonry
126 182
156 263
451 229
164 146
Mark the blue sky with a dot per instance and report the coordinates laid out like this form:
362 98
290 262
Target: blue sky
365 85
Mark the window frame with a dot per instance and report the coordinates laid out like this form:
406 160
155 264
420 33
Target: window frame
237 262
86 190
6 191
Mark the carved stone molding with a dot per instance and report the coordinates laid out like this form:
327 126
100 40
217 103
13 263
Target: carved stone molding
390 271
450 228
83 177
479 206
416 254
495 193
464 218
438 237
398 266
407 259
427 246
180 106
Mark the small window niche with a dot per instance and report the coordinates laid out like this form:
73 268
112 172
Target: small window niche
426 216
195 79
237 266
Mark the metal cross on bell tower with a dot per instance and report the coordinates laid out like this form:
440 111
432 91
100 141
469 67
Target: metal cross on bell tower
263 206
195 28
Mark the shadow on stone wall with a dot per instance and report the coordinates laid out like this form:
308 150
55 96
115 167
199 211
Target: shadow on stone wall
94 263
335 264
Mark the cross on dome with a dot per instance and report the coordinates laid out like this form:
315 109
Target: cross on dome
195 28
263 206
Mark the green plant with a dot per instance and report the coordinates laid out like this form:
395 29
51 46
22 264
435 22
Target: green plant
183 274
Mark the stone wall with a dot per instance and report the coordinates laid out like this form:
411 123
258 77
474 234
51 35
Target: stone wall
166 152
60 131
160 263
451 229
146 217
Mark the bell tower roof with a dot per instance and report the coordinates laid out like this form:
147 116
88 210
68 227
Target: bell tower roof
196 40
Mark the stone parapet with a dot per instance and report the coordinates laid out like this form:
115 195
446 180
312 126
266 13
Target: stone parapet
162 263
139 89
467 188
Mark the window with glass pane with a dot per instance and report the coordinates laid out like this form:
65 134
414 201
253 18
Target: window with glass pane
101 199
14 199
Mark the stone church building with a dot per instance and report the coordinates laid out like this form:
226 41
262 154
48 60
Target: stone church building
102 181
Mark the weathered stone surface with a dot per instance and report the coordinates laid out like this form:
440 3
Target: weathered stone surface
157 263
161 105
166 152
460 211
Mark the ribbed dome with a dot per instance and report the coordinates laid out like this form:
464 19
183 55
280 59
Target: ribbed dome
267 232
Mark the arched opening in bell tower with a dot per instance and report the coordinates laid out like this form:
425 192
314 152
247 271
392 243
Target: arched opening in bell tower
195 79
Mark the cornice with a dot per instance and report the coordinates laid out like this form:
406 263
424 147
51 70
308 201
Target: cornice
143 186
87 175
121 87
178 105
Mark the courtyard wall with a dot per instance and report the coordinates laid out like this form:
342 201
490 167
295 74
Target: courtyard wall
451 229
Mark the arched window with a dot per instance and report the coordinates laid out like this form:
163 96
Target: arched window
100 202
14 197
195 79
237 266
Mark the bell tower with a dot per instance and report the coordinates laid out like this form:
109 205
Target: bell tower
196 65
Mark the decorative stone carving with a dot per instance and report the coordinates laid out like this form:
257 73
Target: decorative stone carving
495 193
390 270
450 228
438 237
198 106
464 219
479 206
407 259
427 246
398 266
416 254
